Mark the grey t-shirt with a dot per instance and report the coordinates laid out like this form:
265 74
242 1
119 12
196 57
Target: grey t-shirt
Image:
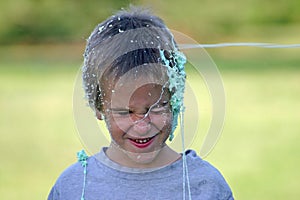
106 179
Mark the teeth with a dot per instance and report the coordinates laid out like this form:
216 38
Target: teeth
142 141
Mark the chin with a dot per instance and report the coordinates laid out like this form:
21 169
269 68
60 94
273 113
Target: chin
143 158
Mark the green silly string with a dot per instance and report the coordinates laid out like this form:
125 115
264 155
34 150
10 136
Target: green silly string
82 158
175 70
174 61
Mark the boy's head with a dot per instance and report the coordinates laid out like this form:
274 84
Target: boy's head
133 53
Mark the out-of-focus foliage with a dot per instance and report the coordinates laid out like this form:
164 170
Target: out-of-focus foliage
34 21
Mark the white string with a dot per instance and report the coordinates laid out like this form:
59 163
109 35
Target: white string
185 174
183 160
238 44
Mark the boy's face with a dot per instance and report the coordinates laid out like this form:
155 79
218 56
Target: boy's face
138 115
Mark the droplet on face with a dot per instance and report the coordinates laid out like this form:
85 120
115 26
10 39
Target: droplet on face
149 94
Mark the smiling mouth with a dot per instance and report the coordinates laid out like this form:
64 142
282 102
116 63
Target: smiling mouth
143 142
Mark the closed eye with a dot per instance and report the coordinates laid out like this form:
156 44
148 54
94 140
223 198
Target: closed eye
161 108
120 112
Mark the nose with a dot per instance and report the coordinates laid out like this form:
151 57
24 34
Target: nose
141 123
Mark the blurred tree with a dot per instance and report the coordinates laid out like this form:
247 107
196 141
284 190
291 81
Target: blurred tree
35 21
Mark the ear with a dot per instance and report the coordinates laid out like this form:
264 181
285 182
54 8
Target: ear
99 114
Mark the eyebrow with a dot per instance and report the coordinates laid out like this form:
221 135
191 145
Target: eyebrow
161 102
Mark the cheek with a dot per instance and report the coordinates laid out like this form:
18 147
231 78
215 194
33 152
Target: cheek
162 122
111 124
117 126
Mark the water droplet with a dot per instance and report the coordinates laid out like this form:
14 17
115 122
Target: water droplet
119 18
121 31
110 25
113 91
101 28
131 41
157 37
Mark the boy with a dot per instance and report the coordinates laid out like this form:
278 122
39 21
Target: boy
134 80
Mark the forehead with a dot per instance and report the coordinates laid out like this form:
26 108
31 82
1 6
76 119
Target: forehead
141 85
134 93
136 96
150 73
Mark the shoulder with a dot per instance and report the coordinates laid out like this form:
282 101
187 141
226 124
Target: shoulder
66 178
206 180
73 171
201 167
70 182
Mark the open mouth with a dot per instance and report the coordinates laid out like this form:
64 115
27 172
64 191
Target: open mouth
143 142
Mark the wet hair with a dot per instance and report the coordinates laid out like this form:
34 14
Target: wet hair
123 42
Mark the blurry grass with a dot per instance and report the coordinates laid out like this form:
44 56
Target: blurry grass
38 138
258 152
259 148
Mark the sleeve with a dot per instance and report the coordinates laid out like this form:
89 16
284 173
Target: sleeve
231 197
213 190
54 194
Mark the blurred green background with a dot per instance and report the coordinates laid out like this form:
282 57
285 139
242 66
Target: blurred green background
41 51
